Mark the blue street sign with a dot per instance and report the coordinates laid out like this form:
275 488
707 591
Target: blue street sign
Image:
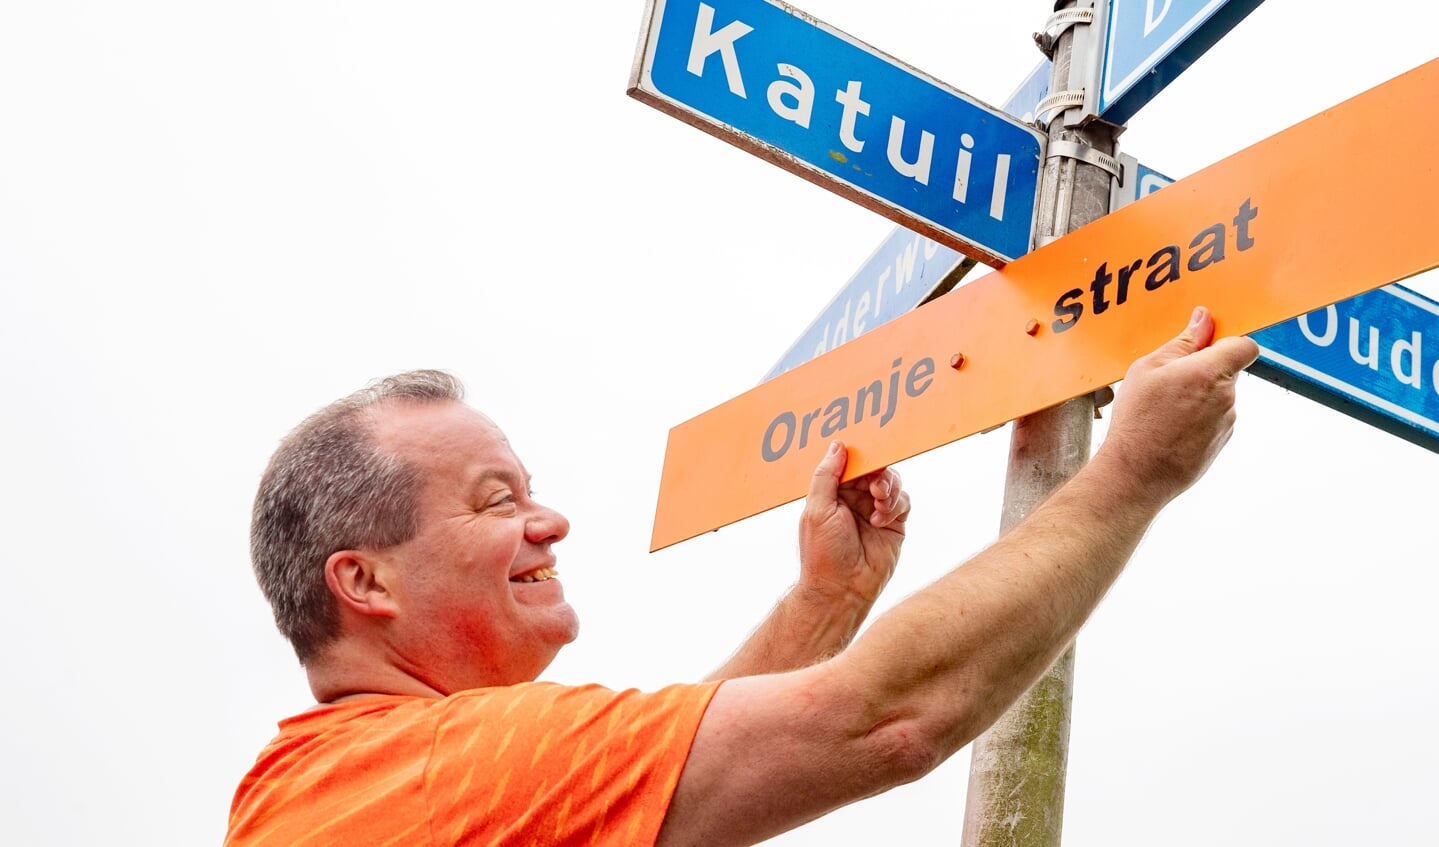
1034 88
1363 356
1148 43
904 271
833 110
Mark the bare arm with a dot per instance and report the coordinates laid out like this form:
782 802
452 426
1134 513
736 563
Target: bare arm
849 540
928 676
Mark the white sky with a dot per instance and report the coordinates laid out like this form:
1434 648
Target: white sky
214 218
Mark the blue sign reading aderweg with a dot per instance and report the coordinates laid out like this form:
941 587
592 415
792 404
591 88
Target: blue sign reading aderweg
845 115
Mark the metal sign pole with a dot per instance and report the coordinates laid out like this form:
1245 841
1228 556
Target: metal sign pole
1017 767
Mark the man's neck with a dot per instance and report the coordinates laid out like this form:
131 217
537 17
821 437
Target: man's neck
347 672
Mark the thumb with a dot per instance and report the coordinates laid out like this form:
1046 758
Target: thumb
1196 336
1234 354
824 485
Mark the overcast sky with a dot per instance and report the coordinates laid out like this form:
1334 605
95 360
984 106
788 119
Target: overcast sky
216 217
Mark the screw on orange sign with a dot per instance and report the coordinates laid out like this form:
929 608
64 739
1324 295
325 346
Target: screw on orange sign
1257 238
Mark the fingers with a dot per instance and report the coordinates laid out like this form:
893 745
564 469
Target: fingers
887 502
891 501
1234 354
1178 407
882 483
1228 355
1196 336
824 485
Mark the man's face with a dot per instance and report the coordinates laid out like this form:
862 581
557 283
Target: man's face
479 604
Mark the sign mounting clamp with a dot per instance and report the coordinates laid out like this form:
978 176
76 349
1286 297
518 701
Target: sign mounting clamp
1084 153
1056 26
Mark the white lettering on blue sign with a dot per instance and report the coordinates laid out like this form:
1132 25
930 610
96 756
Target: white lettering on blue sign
705 43
795 103
1406 355
1147 45
1372 357
1151 20
817 102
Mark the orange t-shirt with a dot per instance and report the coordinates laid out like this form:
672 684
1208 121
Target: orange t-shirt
537 763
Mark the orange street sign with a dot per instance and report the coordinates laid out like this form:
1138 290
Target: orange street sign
1329 208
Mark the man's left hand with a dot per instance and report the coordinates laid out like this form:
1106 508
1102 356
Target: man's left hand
850 533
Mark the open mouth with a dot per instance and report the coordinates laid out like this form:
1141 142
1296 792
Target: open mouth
536 575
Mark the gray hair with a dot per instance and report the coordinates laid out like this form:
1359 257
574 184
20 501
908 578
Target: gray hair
329 488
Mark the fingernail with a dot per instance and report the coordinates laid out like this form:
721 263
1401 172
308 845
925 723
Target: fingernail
1197 316
833 447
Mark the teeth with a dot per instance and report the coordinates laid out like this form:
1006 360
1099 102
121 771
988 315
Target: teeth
538 575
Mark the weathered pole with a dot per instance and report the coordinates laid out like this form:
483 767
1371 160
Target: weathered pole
1017 768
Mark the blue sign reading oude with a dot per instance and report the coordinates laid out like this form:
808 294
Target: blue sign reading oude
1374 357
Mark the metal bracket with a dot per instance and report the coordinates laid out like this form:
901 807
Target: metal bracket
1124 173
1084 153
1055 102
1057 24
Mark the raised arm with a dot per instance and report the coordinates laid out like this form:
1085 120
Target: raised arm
849 540
932 673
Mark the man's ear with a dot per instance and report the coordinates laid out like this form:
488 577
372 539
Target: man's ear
358 583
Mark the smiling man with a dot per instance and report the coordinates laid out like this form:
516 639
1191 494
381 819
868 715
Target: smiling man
397 540
480 564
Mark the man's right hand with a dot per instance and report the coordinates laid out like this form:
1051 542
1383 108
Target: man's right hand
1175 410
941 666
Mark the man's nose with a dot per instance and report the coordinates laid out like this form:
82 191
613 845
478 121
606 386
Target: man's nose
547 526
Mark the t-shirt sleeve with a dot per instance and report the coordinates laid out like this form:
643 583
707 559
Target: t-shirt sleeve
547 764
